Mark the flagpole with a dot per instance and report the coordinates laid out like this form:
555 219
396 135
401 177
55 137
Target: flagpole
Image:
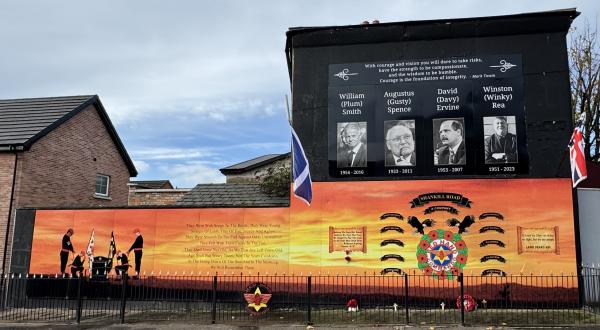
288 111
562 160
289 116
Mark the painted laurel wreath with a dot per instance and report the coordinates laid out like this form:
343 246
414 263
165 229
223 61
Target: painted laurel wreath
442 254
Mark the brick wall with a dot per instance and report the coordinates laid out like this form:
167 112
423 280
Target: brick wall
60 169
7 162
138 197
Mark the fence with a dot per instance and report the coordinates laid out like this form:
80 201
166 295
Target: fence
391 299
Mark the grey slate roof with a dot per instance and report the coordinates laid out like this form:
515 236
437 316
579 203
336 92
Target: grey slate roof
253 163
24 121
231 195
152 184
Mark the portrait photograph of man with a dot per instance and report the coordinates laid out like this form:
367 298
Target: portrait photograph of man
449 141
352 144
500 139
400 143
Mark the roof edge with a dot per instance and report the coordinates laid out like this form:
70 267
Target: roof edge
299 37
253 166
557 12
95 101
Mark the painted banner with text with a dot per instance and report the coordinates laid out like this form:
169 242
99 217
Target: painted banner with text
427 117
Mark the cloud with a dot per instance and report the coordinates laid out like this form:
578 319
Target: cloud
153 153
205 153
191 80
189 174
141 165
132 110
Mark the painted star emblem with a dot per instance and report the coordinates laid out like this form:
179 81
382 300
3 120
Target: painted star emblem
257 300
441 255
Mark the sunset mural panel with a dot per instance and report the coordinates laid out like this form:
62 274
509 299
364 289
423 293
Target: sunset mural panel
387 216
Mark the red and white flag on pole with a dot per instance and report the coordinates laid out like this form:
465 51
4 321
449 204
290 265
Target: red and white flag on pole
90 248
577 154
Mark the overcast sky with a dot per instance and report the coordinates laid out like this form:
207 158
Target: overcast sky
192 86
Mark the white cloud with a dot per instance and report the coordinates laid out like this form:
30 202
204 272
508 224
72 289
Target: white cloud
189 174
192 85
141 165
206 154
151 153
132 110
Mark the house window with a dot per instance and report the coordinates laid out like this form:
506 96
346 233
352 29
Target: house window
102 182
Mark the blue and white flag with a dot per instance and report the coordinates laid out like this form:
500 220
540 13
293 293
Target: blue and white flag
302 181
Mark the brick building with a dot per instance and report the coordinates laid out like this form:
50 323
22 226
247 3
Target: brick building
58 152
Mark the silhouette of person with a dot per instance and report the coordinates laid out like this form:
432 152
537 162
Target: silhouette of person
77 264
137 248
67 247
123 267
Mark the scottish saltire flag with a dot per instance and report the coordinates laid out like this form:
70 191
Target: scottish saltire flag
577 155
301 172
90 248
112 249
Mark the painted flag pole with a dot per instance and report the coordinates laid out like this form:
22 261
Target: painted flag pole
90 249
577 154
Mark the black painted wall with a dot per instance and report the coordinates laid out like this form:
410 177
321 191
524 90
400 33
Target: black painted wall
540 38
22 241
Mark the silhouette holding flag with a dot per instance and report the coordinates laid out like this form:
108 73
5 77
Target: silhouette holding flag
301 172
90 248
112 249
577 155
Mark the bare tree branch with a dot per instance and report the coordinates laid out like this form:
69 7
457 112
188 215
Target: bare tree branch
584 67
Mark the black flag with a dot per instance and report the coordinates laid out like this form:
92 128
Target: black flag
112 249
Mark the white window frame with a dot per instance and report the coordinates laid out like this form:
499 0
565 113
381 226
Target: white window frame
96 193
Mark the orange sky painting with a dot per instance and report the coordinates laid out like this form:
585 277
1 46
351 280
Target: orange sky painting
527 203
295 240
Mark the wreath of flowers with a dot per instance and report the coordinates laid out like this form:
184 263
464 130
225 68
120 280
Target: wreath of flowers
468 301
457 265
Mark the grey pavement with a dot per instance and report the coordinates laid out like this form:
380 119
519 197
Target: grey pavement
192 325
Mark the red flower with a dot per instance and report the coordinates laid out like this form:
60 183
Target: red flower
353 303
424 245
448 235
441 274
433 235
460 244
428 270
462 259
455 271
422 257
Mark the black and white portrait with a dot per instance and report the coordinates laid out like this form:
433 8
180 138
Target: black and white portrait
449 141
400 143
500 139
352 144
